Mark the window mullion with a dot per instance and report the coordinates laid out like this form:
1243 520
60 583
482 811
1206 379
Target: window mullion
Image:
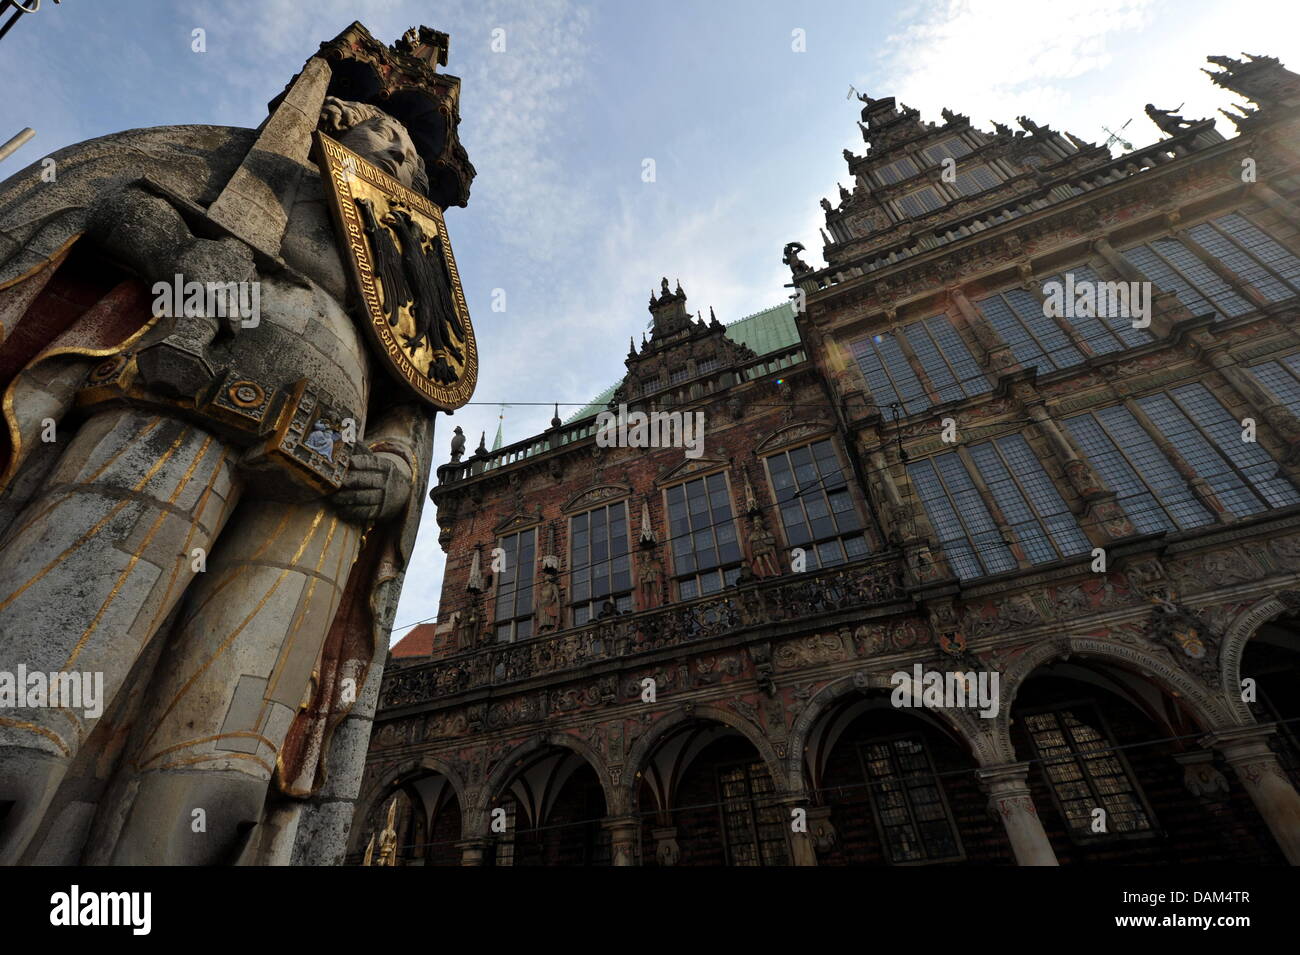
1205 494
990 503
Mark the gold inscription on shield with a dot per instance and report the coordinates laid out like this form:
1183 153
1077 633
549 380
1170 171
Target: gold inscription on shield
396 246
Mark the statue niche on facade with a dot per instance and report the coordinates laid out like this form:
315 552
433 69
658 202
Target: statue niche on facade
221 527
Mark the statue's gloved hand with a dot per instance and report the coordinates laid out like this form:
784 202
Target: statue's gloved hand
376 488
219 261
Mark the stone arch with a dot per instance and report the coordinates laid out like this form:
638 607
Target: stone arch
1208 708
1244 626
476 815
967 728
643 747
391 779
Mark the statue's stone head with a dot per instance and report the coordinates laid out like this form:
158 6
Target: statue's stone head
374 135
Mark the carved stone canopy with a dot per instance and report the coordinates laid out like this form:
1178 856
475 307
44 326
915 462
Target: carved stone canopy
403 80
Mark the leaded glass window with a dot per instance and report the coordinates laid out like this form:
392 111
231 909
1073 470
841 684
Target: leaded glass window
895 171
1036 514
1100 325
918 202
909 803
1243 475
954 147
945 359
753 826
975 179
1036 339
1282 377
1085 772
1251 253
514 600
1149 489
1028 500
890 377
598 555
816 510
1174 267
706 552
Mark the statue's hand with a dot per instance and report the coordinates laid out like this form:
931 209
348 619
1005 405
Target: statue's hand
220 261
376 488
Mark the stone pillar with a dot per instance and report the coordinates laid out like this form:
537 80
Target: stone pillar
623 834
801 846
1247 751
1008 789
1279 203
997 353
667 851
325 820
1105 520
472 851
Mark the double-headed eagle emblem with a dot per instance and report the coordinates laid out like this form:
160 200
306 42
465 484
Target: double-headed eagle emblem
405 275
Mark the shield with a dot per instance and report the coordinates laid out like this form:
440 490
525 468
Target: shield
402 269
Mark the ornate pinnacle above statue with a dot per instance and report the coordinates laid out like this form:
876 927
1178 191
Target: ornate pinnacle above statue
647 536
475 584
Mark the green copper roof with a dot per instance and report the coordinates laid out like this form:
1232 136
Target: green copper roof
767 331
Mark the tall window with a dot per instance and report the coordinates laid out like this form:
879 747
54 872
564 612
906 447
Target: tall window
918 202
945 358
1084 771
816 509
1038 337
1100 325
598 556
915 824
514 604
1174 267
975 179
1154 495
1036 515
939 351
706 553
889 377
754 828
1251 253
1035 338
1243 475
504 844
1282 377
896 171
953 147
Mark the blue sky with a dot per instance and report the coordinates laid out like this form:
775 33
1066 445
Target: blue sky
746 134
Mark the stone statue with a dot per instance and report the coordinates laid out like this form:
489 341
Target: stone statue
762 548
1167 121
221 530
792 259
388 838
650 579
550 603
467 627
457 444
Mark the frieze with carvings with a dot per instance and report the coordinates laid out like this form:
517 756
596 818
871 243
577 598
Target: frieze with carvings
876 583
